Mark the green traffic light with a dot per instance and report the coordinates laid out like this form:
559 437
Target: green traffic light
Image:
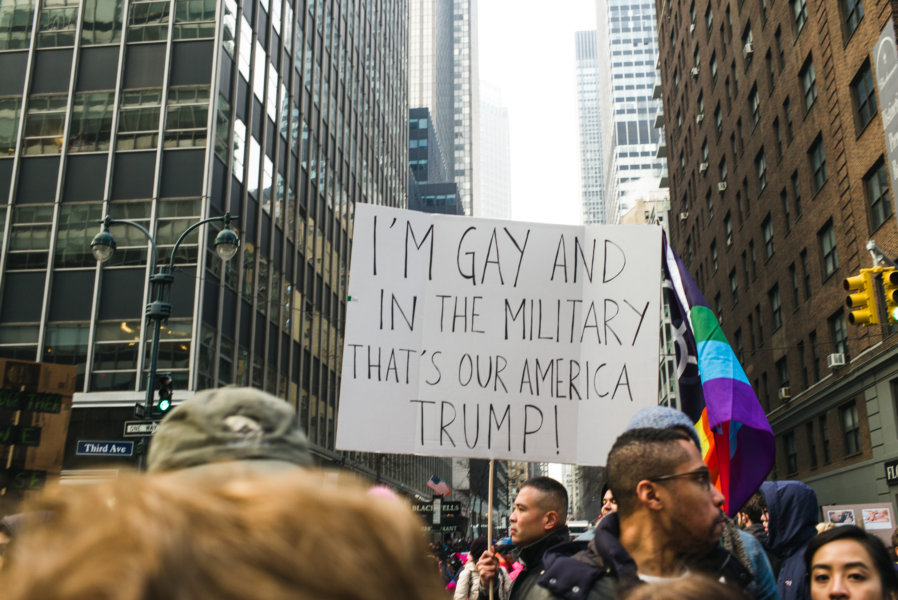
164 405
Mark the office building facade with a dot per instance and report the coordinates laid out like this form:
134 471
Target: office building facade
495 156
778 179
589 128
285 113
627 50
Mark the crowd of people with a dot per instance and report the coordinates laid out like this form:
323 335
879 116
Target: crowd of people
231 507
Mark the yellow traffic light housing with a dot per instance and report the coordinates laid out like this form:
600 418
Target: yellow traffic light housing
890 289
862 297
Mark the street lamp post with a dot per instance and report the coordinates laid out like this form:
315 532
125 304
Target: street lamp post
159 307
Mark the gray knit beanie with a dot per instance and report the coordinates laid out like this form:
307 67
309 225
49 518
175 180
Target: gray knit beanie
664 417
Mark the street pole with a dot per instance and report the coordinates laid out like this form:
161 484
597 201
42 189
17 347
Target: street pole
159 309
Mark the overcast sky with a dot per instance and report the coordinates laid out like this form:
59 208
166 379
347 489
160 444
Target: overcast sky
527 51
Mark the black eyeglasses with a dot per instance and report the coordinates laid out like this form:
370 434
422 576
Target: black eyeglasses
702 476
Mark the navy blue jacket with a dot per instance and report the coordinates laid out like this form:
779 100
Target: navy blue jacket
792 507
602 568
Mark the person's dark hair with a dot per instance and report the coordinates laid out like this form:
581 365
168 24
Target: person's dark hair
478 547
640 454
754 507
872 544
555 494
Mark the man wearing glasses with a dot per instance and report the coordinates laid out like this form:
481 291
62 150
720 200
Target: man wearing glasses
668 513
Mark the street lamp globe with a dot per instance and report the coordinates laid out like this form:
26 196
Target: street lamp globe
226 243
102 246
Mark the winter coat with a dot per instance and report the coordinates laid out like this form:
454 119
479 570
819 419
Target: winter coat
524 586
604 567
468 587
792 507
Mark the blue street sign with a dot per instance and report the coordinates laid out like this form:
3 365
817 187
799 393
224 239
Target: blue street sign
104 448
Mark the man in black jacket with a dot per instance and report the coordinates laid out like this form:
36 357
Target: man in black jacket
668 514
537 524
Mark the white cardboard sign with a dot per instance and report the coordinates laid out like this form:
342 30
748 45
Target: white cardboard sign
482 338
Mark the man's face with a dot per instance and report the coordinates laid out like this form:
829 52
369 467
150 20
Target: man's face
529 519
691 506
608 503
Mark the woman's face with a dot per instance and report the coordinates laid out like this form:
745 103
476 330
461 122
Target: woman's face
843 569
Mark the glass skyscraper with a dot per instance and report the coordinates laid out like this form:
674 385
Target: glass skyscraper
627 52
285 113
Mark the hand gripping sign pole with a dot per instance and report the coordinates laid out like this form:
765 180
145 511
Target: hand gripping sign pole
489 517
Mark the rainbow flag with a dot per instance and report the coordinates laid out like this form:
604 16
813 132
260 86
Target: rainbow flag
737 441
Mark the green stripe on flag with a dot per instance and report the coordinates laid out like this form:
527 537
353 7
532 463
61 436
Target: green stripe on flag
705 326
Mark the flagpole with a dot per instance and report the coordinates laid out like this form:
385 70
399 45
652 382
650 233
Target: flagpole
489 521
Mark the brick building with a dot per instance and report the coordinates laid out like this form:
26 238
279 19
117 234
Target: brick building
778 178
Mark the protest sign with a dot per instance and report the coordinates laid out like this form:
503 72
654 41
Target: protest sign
497 339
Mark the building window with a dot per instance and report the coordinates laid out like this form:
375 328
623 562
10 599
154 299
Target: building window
793 276
728 228
722 169
714 67
718 120
851 432
747 50
824 439
787 113
815 355
138 126
734 286
802 361
755 105
767 230
91 121
760 327
761 166
830 259
751 332
740 349
800 12
705 150
852 11
10 112
195 19
44 123
57 23
148 20
876 184
791 453
779 48
754 260
782 371
709 20
16 18
838 333
771 73
714 255
778 136
776 306
805 273
864 93
186 114
29 237
787 217
817 157
102 22
808 84
812 444
796 193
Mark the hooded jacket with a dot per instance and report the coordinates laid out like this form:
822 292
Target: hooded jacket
792 509
603 568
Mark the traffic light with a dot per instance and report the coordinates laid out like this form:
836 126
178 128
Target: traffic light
890 289
163 403
862 298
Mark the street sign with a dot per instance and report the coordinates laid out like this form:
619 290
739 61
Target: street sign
104 448
140 428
